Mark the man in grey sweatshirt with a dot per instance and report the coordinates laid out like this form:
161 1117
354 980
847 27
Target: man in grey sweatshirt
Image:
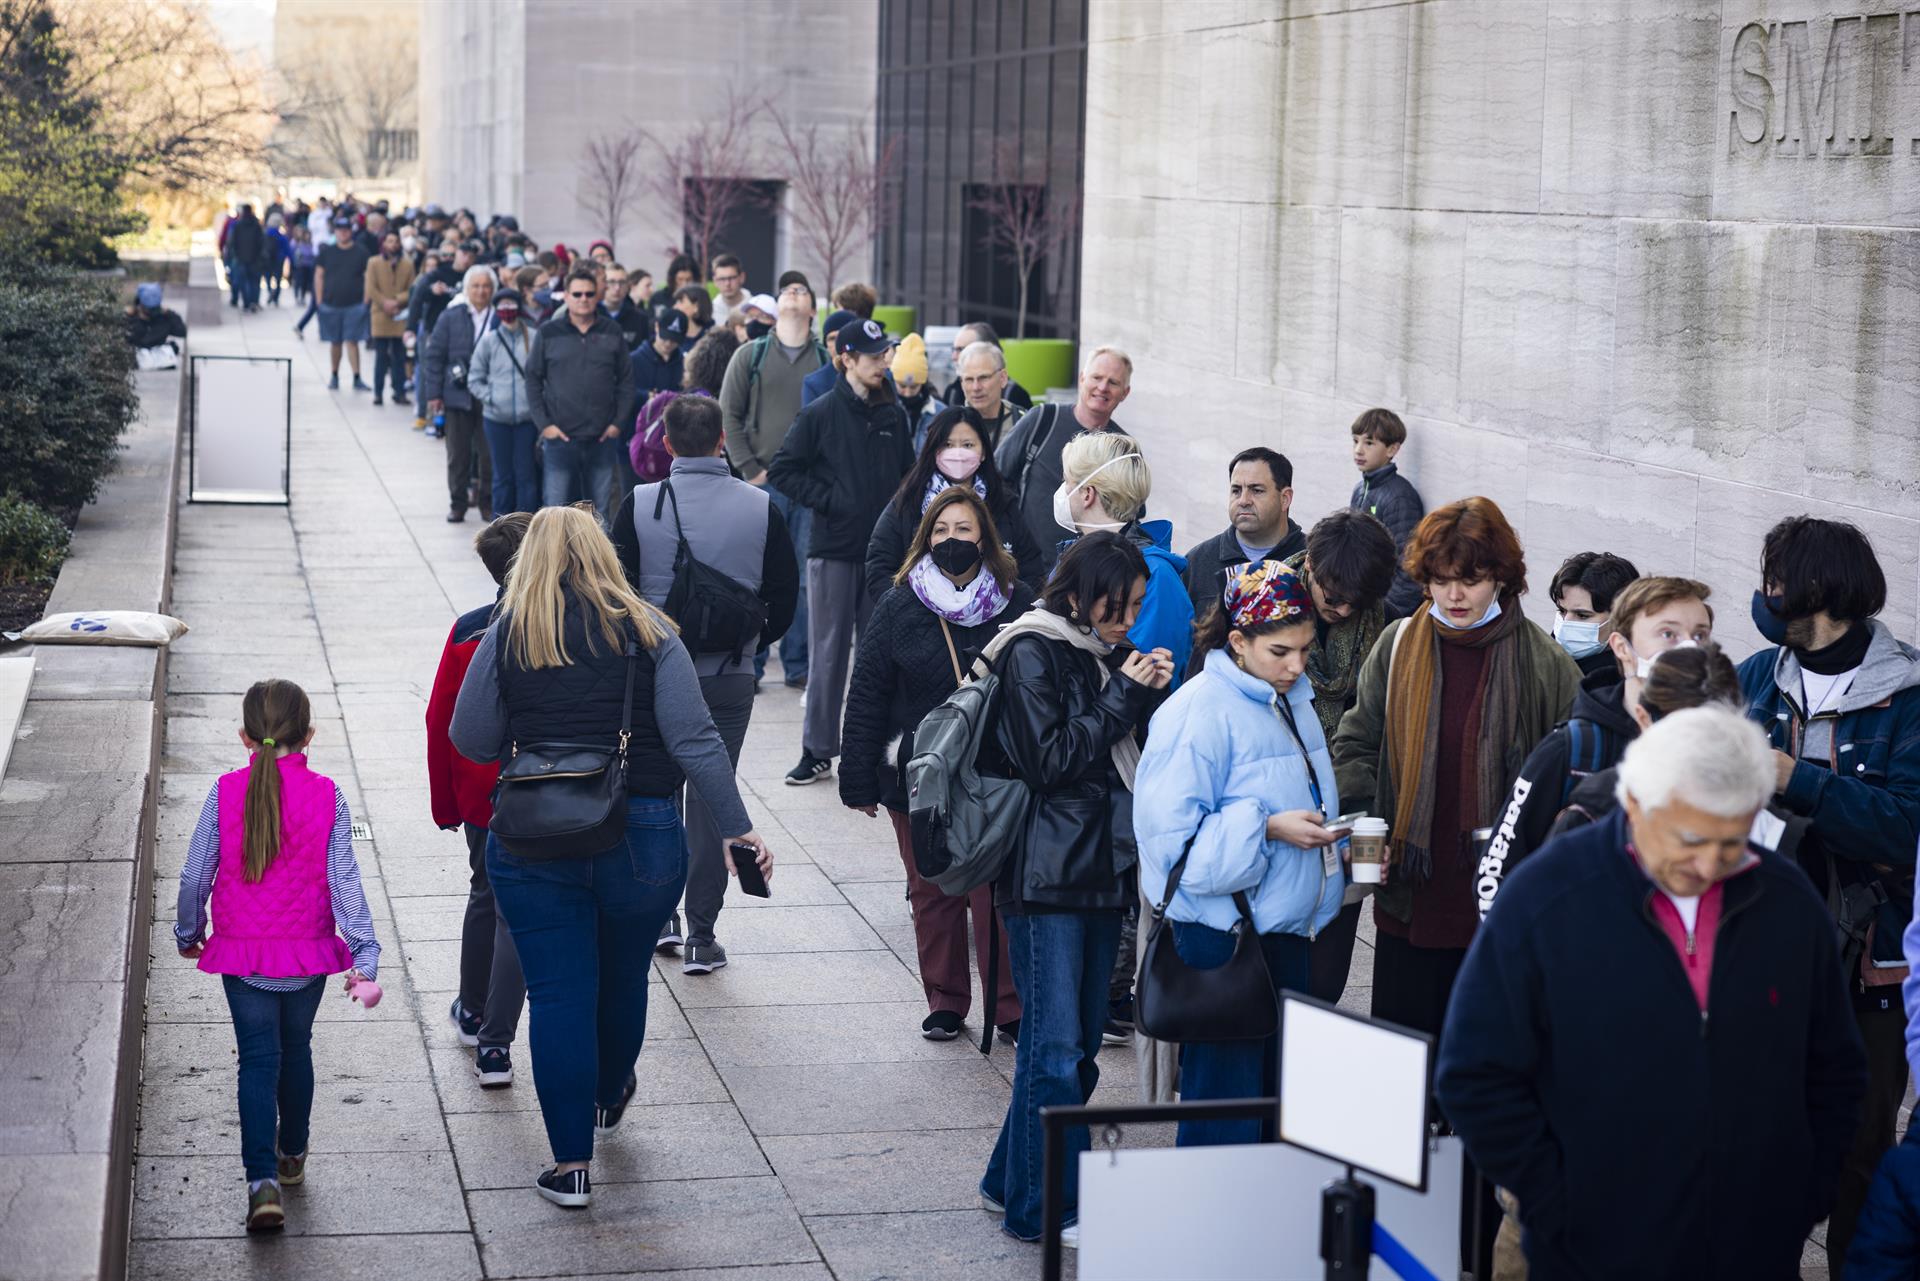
759 399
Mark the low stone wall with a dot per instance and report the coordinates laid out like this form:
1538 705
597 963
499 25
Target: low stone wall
77 811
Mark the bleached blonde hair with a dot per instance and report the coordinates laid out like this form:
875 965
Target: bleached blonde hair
1124 487
564 555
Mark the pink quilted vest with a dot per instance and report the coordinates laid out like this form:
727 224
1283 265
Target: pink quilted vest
280 926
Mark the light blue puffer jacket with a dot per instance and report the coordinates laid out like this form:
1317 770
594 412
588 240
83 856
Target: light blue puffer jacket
1219 760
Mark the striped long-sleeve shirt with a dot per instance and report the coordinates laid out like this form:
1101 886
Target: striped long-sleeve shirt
350 911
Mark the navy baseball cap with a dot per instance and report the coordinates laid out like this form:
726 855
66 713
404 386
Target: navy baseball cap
863 338
673 326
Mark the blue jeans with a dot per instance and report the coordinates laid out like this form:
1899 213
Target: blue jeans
516 483
274 1033
577 469
585 929
793 646
247 277
1235 1069
1061 964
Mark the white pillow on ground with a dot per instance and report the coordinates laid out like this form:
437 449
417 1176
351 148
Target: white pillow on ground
103 627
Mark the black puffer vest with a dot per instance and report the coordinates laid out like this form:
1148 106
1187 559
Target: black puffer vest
580 703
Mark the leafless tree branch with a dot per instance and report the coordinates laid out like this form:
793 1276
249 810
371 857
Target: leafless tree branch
1023 225
706 173
837 183
610 179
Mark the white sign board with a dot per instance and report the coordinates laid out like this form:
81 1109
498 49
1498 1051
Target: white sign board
1246 1212
239 429
1354 1090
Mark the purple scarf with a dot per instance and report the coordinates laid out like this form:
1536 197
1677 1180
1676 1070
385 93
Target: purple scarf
968 606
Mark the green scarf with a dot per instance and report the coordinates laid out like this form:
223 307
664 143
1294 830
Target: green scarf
1333 664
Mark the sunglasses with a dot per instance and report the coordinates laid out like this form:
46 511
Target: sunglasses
575 293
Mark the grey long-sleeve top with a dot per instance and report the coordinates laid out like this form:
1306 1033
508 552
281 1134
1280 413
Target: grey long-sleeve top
480 731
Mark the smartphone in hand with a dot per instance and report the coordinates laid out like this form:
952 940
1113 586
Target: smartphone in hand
746 861
1345 822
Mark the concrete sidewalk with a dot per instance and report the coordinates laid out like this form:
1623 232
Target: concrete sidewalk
794 1125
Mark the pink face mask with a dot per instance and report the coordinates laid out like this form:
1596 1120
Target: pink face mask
958 465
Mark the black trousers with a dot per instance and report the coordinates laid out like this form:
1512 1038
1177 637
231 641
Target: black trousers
1411 987
1883 1026
1330 955
466 443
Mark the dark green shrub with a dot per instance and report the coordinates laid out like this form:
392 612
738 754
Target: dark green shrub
65 392
32 542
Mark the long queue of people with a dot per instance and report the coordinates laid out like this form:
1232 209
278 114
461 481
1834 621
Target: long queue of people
1647 900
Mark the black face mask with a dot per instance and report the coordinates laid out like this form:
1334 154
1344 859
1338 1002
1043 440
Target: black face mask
1769 624
758 329
955 555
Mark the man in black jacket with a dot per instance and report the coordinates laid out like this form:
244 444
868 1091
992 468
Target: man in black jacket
842 460
1650 1043
1259 496
581 390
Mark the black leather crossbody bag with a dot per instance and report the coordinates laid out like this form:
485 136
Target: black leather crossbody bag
1231 1002
565 800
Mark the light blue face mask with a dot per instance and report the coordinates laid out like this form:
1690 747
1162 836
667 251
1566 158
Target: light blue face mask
1439 616
1577 638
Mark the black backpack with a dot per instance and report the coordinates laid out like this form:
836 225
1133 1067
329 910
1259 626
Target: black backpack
717 615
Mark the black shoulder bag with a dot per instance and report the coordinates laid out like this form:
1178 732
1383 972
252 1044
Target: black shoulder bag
1231 1002
717 615
565 800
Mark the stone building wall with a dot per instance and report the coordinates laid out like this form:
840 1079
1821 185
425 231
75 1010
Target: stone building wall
1644 272
516 88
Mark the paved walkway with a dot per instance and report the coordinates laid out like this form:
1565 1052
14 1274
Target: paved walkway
795 1125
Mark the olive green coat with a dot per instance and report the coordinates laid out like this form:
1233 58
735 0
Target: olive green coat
1360 764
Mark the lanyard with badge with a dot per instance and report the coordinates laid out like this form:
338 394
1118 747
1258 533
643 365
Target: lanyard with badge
1329 854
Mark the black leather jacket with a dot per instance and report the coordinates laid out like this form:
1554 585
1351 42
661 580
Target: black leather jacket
1056 729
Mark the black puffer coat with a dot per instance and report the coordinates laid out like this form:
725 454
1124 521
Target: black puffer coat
893 534
1056 729
901 673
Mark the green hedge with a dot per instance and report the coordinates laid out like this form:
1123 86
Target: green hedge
65 389
33 542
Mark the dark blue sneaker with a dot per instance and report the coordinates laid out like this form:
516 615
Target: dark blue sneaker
573 1190
466 1024
606 1118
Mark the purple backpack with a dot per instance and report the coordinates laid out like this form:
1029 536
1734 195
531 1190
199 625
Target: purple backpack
648 449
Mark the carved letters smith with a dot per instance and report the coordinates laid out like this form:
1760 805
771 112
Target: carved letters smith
1849 86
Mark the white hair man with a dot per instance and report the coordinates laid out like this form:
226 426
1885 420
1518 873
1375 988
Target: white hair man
983 383
1029 456
1651 1029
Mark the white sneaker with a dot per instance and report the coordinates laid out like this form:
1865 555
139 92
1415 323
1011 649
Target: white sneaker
991 1206
1070 1237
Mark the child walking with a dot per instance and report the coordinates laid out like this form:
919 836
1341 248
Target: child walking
274 847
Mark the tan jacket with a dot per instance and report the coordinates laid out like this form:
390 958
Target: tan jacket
388 282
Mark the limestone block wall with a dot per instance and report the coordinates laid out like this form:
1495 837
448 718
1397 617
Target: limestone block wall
1645 272
519 87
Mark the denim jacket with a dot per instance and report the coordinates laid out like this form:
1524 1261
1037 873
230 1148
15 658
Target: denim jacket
1865 808
1219 762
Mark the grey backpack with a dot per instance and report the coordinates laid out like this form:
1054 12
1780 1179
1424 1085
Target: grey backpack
964 822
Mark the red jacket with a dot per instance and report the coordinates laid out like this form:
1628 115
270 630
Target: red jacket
461 790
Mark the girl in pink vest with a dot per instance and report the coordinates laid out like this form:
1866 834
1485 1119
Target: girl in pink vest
274 847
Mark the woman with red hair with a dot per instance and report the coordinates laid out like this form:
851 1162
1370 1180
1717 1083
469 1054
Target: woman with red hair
1450 702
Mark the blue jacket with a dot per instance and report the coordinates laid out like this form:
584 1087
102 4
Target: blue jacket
818 383
1219 762
1865 813
1643 1137
1166 615
1886 1239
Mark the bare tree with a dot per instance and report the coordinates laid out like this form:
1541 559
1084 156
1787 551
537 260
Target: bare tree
838 182
342 112
706 174
610 178
181 108
1023 226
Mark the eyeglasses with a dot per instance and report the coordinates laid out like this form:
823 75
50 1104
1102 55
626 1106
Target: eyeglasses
732 279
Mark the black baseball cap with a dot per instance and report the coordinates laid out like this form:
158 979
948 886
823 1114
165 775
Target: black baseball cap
793 278
673 326
343 220
862 338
